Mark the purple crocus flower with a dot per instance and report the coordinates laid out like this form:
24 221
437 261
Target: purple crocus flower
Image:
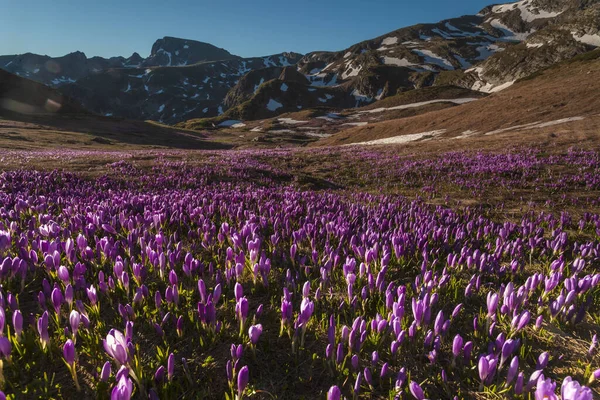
115 345
106 371
416 390
69 352
17 320
238 291
42 327
74 320
334 393
170 366
123 389
512 370
545 389
242 380
572 390
254 333
5 347
457 345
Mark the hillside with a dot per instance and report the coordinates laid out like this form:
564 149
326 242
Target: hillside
34 116
563 96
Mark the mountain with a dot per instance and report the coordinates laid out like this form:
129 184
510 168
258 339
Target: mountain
35 116
186 80
559 103
170 51
486 52
168 94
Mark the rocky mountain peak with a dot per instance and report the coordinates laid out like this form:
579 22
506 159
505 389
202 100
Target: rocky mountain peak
171 51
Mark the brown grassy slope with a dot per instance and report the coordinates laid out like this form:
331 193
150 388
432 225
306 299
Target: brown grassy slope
26 96
25 132
423 94
567 90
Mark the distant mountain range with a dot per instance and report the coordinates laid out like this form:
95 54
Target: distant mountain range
184 79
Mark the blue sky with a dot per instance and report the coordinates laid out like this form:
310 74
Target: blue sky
244 27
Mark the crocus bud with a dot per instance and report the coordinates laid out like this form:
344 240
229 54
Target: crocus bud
170 366
5 347
416 391
519 384
334 393
512 370
457 345
74 320
543 360
69 352
105 373
254 333
238 291
17 319
242 380
354 362
357 383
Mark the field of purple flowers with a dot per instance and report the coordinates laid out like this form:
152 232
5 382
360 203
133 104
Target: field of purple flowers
283 274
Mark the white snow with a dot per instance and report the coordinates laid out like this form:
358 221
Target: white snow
220 110
322 100
512 128
186 46
502 87
206 79
282 131
351 71
35 71
273 105
257 129
318 134
389 41
486 50
466 134
463 62
432 58
128 88
161 108
167 53
396 61
348 54
536 125
262 80
423 103
328 96
284 87
62 79
402 139
232 123
556 122
529 12
355 124
291 121
284 61
360 98
592 40
205 110
508 33
534 45
452 27
268 62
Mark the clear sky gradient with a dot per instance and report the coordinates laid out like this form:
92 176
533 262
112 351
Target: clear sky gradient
243 27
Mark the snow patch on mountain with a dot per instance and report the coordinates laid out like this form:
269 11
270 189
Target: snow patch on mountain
273 105
432 58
